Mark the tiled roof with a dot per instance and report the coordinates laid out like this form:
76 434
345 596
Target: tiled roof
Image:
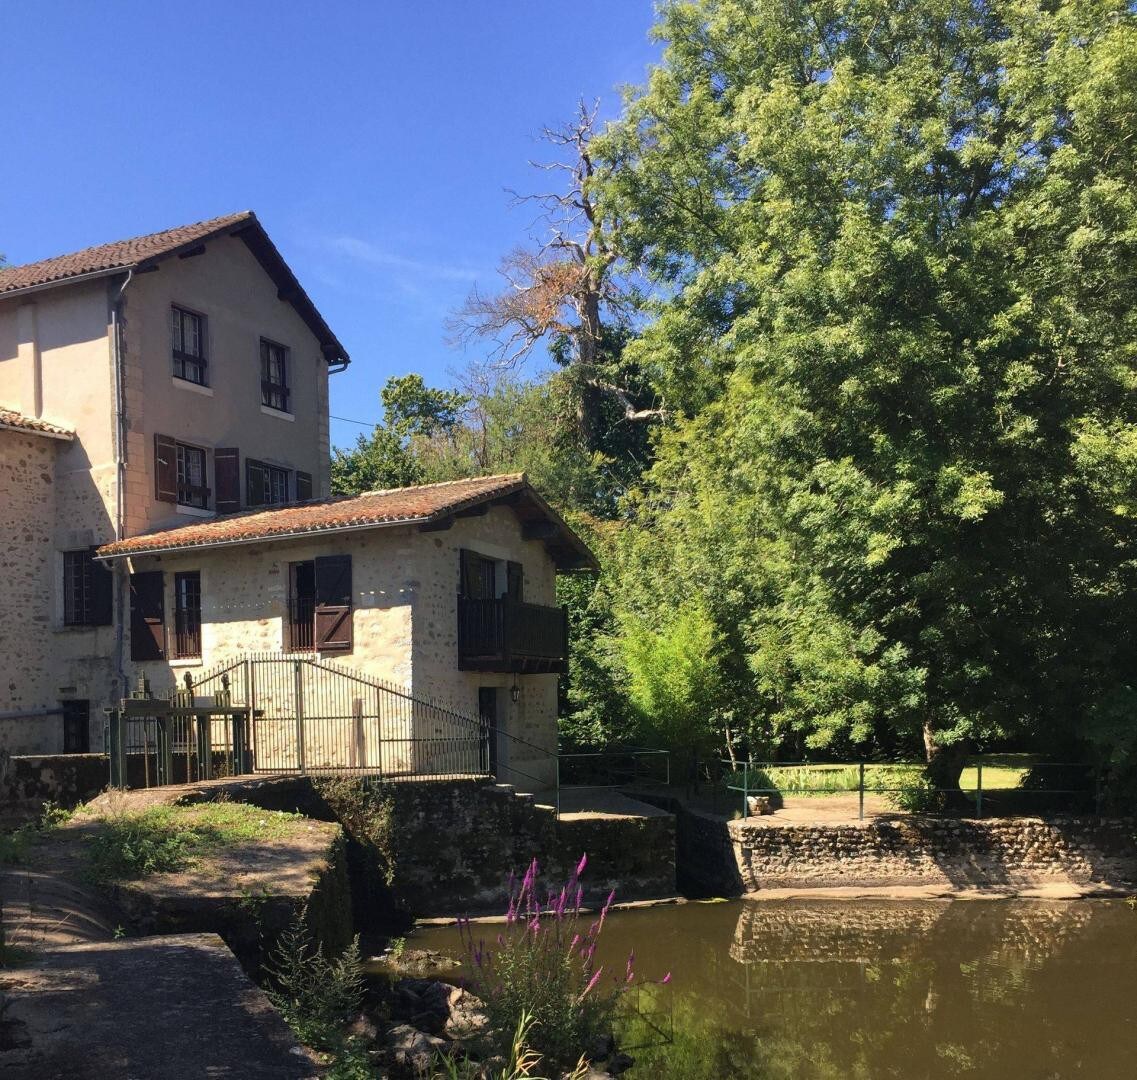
9 418
117 256
375 509
142 250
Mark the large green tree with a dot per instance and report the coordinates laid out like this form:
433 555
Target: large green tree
895 246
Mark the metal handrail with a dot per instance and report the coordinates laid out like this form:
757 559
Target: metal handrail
860 788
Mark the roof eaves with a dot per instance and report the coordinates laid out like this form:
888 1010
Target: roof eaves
103 555
24 429
73 279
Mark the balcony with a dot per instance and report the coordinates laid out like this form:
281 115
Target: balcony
506 635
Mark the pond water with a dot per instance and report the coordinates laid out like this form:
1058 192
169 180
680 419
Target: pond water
1015 989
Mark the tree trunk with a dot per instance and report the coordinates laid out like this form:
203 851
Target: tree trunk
944 764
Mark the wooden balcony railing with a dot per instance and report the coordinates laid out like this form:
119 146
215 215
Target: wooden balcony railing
507 635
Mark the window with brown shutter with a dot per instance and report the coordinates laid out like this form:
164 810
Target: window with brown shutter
303 486
147 616
227 479
333 596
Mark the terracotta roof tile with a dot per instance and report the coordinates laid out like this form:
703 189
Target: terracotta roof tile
125 254
119 255
9 418
388 507
375 509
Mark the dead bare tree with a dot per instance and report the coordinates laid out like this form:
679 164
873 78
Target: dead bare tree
566 286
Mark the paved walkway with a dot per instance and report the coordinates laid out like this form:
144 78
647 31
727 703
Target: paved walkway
158 1008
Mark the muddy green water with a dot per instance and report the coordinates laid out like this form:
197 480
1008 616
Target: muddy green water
1018 990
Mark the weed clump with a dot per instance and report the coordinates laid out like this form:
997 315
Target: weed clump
542 974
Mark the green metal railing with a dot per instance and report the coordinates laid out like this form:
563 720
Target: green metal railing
633 766
1045 784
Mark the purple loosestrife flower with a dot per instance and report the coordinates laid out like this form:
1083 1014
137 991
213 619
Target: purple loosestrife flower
581 865
592 982
665 980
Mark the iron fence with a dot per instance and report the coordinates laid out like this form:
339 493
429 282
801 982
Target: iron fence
296 713
992 786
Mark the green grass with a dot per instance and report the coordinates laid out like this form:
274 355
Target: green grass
166 839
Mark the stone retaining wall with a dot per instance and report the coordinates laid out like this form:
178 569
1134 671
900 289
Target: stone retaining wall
1006 852
457 841
67 779
717 857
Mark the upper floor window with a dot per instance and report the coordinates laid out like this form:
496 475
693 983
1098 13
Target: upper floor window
187 342
265 485
192 490
86 590
274 376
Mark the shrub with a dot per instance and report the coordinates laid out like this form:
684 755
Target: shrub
544 968
918 795
316 995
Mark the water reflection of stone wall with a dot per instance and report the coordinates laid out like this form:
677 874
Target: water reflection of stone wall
919 851
834 932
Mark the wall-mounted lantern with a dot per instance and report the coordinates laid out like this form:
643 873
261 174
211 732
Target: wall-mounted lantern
515 692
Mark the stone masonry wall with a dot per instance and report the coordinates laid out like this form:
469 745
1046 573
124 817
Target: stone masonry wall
27 481
927 851
456 843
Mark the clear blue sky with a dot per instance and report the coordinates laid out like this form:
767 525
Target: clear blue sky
373 139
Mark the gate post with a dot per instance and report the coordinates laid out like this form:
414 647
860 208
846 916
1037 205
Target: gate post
250 716
115 741
298 690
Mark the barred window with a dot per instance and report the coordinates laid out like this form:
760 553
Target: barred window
87 598
187 614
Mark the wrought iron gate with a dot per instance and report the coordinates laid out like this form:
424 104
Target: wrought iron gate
308 715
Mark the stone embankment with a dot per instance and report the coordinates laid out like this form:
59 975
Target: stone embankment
765 854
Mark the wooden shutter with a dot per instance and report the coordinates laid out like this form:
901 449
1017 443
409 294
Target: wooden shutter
227 479
165 469
147 617
102 593
333 603
303 486
254 483
515 577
